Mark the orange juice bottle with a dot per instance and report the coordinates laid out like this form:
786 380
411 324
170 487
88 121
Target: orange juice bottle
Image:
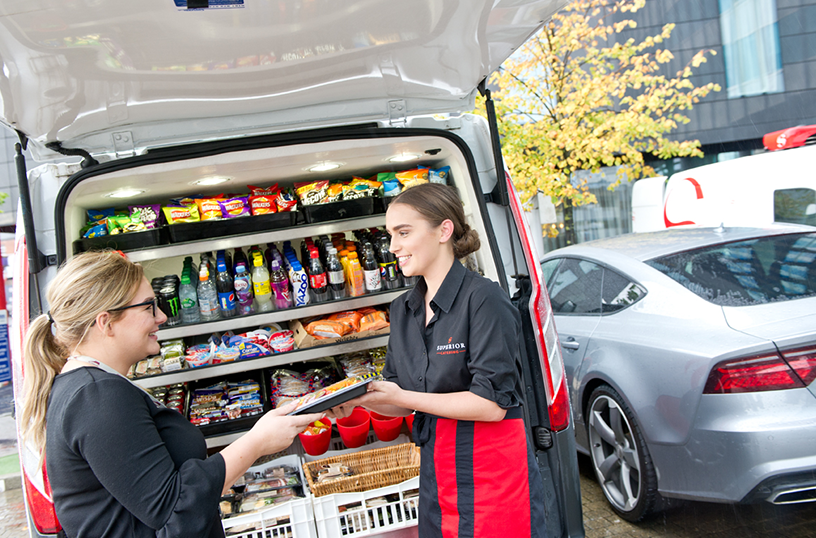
357 283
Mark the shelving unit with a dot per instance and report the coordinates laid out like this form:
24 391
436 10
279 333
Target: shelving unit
280 234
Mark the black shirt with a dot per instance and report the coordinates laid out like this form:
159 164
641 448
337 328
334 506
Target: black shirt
471 343
119 465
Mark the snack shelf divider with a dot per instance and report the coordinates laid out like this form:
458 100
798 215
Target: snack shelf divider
288 314
276 235
259 363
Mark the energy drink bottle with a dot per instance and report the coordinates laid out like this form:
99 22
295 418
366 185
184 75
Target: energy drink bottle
280 286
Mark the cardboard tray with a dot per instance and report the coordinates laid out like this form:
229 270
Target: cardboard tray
126 241
305 340
209 229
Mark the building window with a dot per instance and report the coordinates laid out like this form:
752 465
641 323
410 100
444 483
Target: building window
753 63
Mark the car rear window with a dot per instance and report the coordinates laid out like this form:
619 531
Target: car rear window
742 273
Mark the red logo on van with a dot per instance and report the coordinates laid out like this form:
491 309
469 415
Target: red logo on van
698 190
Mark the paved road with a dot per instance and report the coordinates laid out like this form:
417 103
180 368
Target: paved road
694 520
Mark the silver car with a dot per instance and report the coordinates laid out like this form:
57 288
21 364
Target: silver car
690 356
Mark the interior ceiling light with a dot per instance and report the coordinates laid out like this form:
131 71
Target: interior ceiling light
211 181
323 166
124 193
403 157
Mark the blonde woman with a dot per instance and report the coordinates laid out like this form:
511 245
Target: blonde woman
119 463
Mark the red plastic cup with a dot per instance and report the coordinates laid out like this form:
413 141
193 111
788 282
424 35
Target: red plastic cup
315 445
409 421
354 428
386 428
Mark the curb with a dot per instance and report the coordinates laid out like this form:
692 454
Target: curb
10 481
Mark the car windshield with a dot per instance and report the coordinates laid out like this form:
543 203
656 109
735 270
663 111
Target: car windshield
742 273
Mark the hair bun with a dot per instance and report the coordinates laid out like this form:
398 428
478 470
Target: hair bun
467 243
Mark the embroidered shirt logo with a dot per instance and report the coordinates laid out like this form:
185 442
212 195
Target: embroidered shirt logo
451 347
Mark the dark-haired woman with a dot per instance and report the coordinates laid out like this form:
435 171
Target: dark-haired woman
453 357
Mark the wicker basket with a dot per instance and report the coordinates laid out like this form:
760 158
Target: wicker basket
372 469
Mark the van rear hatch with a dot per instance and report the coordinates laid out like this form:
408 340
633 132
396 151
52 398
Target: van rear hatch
114 78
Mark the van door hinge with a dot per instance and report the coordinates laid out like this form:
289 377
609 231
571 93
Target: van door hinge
542 437
396 113
123 144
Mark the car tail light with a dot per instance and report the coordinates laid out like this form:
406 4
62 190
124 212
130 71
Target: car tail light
803 362
41 507
549 350
752 374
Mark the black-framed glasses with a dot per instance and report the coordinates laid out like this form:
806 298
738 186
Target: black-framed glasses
150 302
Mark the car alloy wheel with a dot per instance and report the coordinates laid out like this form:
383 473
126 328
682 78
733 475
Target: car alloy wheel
620 457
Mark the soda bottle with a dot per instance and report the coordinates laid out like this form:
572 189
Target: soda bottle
189 301
300 284
238 256
260 284
207 296
337 278
357 281
280 286
371 269
317 278
243 290
226 291
388 267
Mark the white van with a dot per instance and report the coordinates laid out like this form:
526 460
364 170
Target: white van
778 186
158 101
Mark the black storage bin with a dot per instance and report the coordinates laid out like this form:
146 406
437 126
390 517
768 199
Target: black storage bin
210 229
344 209
236 424
381 203
125 241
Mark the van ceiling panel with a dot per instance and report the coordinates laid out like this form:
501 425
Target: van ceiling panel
78 72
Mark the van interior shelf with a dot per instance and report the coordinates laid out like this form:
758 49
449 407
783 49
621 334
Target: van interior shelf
259 320
259 363
276 235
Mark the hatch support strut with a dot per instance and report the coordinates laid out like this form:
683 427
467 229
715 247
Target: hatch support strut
36 259
499 194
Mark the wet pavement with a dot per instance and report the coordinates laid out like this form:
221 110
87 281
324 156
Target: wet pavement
695 519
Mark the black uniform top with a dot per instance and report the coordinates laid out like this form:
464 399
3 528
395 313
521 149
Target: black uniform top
471 343
119 465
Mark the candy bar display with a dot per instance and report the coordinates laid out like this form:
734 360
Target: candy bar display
225 401
363 363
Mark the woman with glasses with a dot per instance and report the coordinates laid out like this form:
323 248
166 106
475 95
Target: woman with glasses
119 463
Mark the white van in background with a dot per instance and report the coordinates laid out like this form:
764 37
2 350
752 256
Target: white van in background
778 186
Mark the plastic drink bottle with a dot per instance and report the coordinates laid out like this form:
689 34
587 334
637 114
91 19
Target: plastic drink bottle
388 267
238 256
280 286
243 290
226 291
371 270
357 282
260 285
337 278
207 296
189 300
318 282
300 284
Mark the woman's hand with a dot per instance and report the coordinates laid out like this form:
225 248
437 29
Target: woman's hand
382 397
275 431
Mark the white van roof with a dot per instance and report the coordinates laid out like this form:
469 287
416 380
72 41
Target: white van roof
122 76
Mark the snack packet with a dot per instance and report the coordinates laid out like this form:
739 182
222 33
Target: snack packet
117 224
351 318
285 202
438 175
98 215
182 213
236 206
146 214
311 193
95 230
335 192
374 321
209 208
325 328
410 178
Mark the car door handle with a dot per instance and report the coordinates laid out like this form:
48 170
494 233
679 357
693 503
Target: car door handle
570 344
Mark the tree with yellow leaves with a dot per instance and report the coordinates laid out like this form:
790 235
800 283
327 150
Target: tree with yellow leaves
578 97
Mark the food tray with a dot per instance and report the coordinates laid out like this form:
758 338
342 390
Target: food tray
272 521
368 513
209 229
372 469
125 241
344 209
237 424
335 398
